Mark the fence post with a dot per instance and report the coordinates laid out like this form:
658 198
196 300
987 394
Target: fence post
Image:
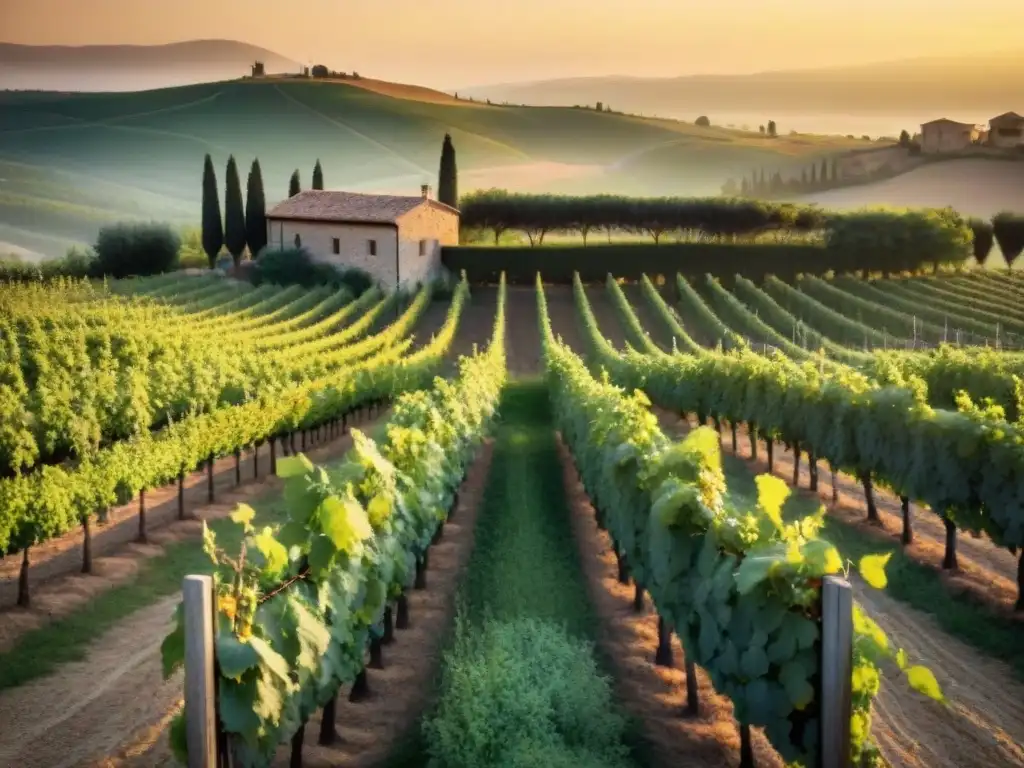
836 672
200 706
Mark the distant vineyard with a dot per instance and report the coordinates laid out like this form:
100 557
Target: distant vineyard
937 426
149 380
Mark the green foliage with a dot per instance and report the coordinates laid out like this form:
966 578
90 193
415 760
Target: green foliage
206 410
295 266
77 263
213 230
523 693
295 610
124 250
318 176
702 122
234 215
294 184
1008 229
255 211
740 587
898 240
558 263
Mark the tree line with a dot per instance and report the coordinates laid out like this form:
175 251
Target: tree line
760 183
538 215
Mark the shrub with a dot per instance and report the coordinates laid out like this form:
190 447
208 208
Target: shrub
77 262
295 266
1008 229
523 693
703 122
982 242
125 250
897 240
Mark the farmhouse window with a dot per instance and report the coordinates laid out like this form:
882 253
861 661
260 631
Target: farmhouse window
1009 132
336 245
423 247
373 247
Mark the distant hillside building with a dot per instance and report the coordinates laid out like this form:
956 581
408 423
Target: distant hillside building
945 135
1006 131
258 69
396 239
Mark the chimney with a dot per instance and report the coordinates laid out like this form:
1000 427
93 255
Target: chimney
425 191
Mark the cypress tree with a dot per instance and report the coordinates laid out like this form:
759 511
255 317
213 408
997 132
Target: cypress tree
293 184
814 174
318 176
447 181
823 176
255 211
213 232
234 217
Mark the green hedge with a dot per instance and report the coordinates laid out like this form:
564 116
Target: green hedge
631 260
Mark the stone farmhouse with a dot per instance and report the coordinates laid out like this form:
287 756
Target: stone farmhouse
1005 132
396 239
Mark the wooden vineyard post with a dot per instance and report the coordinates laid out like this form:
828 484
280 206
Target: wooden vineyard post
836 672
200 706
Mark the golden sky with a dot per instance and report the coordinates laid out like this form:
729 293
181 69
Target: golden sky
448 43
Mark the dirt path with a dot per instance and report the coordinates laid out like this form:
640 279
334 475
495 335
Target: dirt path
522 342
656 327
981 726
606 315
654 695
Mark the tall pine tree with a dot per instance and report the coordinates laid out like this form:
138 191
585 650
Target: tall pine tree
255 211
823 176
318 176
293 184
213 232
234 216
447 177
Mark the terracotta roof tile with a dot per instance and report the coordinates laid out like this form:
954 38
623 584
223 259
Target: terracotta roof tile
329 205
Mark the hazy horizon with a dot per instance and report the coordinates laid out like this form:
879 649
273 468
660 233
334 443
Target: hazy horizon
646 38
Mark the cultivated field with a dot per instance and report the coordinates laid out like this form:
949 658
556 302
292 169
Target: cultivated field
71 162
505 517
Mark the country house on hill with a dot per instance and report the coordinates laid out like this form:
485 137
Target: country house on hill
1006 131
396 239
945 135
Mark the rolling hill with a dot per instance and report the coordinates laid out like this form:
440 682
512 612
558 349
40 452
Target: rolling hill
130 67
926 86
71 162
994 186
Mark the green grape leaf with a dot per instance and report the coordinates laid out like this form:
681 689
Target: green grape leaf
321 554
872 569
235 657
378 510
273 552
822 557
754 662
178 738
901 659
294 466
798 687
344 522
172 649
243 515
922 680
235 706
